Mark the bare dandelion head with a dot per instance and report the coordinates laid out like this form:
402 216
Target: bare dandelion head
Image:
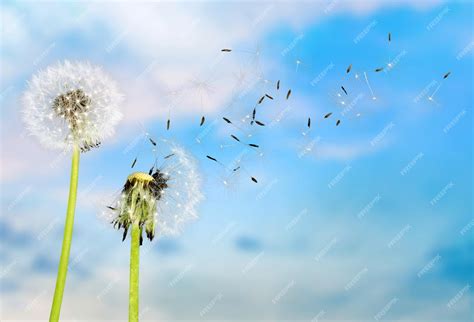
163 200
71 103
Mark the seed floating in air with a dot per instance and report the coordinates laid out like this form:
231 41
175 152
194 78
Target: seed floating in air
345 92
168 124
288 94
446 75
152 142
389 37
278 85
261 99
349 69
226 50
211 158
254 113
151 170
111 208
327 115
269 96
227 120
253 145
203 119
338 122
379 69
235 138
254 180
309 122
169 156
235 169
134 162
259 123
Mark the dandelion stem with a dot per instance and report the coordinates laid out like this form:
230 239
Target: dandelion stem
66 247
134 270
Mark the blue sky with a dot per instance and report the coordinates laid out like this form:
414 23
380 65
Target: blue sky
371 219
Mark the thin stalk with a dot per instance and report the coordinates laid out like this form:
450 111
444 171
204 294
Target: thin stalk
134 270
68 227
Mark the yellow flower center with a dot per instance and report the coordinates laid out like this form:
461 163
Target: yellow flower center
140 176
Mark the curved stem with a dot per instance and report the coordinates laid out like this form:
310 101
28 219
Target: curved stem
134 270
68 227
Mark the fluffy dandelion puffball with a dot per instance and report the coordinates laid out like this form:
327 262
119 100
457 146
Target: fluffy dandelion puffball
163 199
71 103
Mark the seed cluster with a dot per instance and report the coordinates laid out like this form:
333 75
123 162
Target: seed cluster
138 203
73 106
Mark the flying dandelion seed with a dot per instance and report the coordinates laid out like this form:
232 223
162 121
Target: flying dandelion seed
134 162
344 90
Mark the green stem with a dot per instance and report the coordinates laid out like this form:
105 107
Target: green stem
63 262
134 270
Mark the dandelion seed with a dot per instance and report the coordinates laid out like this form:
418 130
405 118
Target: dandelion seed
270 97
288 94
227 120
259 123
254 180
278 85
349 69
134 162
338 122
152 141
226 50
168 124
378 69
211 158
235 138
446 75
309 122
253 145
327 115
203 119
344 90
261 99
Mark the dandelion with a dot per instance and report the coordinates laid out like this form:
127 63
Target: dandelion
158 203
70 106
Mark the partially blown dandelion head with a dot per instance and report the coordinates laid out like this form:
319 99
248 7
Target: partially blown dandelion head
160 201
71 103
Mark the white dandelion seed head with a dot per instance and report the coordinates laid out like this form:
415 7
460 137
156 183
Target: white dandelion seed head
71 103
180 199
162 201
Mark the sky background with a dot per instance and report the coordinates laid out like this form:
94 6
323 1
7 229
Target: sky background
369 220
